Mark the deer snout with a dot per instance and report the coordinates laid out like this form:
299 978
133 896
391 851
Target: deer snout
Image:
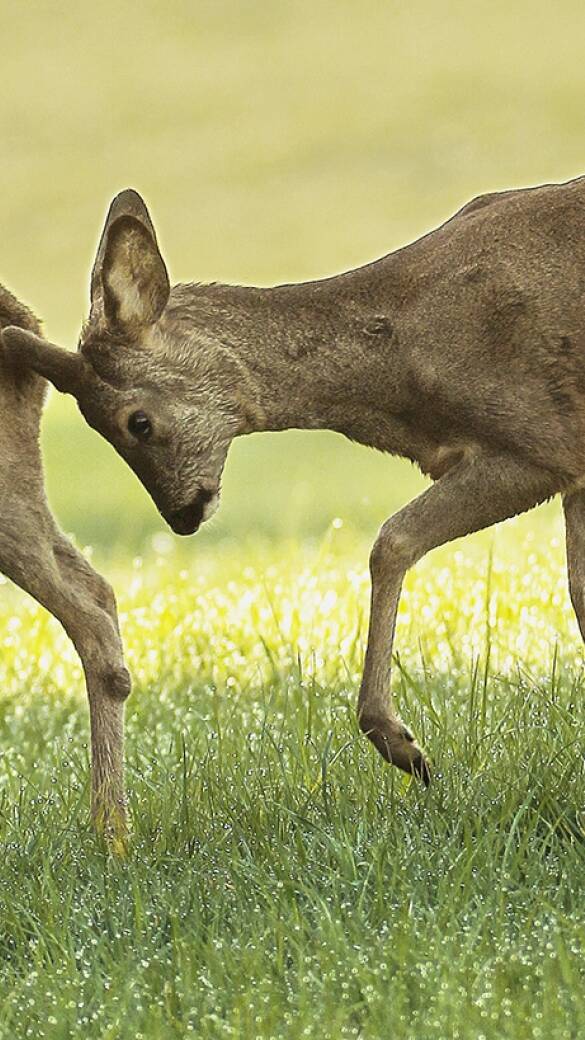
188 519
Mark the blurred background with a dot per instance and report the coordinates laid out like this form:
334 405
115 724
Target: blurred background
273 142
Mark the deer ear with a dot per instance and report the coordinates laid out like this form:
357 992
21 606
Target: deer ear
22 349
129 279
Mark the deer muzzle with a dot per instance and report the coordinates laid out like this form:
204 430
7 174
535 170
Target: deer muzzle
189 518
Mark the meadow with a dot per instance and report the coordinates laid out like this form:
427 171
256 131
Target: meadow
282 882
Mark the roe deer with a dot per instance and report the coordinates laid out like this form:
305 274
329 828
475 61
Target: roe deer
464 352
36 555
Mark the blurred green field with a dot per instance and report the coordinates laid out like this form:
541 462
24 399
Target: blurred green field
283 883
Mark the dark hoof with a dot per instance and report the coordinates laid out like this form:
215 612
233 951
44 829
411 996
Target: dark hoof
397 746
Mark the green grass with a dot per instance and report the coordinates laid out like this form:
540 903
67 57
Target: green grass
283 881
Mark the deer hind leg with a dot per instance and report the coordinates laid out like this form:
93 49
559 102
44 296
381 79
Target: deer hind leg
35 555
478 492
95 633
574 508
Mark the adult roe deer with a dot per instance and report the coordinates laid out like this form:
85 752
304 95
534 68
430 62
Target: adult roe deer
464 352
36 555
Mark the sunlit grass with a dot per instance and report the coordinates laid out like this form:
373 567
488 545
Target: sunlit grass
283 882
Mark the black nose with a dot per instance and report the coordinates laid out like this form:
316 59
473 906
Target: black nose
188 519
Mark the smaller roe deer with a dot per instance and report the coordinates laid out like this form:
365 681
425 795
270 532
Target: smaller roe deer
464 352
36 555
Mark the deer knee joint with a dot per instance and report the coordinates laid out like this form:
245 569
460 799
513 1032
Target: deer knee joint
119 683
108 668
392 551
111 680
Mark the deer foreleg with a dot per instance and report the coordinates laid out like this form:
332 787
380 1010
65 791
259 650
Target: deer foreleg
478 492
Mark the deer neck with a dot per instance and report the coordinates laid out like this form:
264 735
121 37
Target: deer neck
317 355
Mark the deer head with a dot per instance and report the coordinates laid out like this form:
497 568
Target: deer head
165 395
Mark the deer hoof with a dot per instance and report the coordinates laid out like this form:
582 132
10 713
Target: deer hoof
396 745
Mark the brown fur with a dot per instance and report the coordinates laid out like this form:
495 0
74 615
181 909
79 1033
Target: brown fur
35 554
464 352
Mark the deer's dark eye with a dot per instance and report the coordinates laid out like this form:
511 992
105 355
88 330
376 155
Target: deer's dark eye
140 425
